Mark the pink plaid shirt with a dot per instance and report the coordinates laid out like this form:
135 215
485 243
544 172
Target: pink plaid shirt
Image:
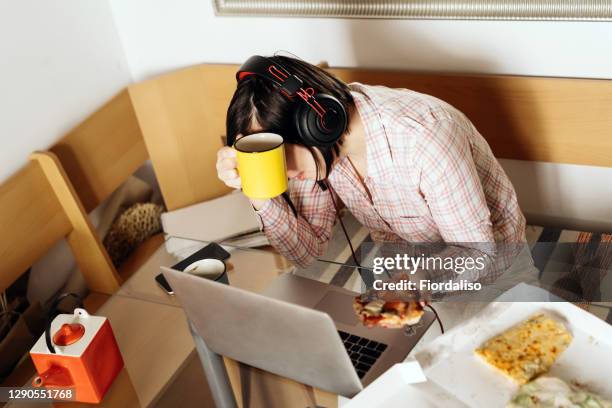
431 175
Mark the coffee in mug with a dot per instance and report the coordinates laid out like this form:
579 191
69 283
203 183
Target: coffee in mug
261 165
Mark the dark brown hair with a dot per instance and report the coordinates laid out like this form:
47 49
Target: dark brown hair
259 99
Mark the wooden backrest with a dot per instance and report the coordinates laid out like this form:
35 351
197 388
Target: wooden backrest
31 221
39 208
50 198
83 168
182 117
559 120
103 151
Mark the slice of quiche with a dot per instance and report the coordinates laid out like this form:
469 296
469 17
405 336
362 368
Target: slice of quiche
528 349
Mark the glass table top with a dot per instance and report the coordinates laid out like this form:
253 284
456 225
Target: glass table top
247 268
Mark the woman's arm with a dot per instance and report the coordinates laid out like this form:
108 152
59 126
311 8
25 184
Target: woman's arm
300 239
303 238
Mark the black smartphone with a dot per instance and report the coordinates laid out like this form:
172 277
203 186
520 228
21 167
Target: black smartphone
212 250
163 283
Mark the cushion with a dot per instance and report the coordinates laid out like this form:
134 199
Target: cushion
575 265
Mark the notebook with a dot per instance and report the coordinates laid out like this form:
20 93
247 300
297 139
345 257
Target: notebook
216 220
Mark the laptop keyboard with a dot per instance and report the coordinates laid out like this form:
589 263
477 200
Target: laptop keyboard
363 352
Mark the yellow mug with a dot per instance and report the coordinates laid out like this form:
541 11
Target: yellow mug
261 165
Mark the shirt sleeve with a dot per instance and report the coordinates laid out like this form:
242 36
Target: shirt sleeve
304 238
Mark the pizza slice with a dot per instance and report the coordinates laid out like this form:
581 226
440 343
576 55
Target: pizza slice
388 314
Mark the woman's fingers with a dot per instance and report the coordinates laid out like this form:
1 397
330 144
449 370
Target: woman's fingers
228 175
237 184
226 164
226 159
226 167
226 152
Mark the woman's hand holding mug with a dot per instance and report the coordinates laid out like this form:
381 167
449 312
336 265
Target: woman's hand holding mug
227 172
227 167
257 165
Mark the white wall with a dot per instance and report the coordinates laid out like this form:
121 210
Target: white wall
59 61
159 36
568 196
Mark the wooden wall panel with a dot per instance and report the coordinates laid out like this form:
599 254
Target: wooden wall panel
182 117
103 151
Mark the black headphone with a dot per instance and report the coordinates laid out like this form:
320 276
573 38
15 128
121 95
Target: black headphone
320 119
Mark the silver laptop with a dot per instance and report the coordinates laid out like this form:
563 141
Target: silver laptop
300 329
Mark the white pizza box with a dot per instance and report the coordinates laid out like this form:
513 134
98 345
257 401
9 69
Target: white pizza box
456 377
450 362
402 384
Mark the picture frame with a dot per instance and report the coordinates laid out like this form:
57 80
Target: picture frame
561 10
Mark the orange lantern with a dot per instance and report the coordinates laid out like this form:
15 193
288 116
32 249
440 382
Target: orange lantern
82 355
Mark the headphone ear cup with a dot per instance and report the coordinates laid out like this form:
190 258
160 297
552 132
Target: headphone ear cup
317 131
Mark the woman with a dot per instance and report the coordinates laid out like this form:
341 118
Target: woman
409 167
